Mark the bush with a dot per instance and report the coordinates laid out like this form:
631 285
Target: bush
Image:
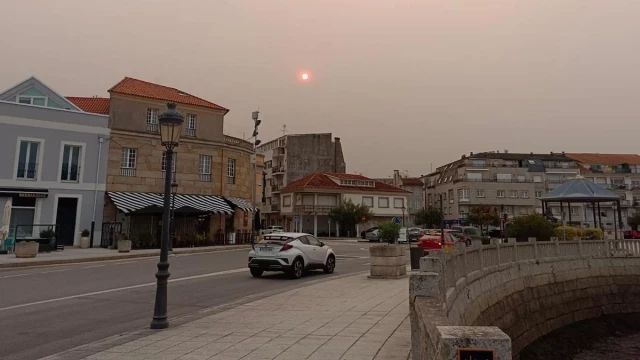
85 233
592 232
47 234
534 225
389 231
568 231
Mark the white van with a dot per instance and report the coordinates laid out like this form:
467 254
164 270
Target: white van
402 236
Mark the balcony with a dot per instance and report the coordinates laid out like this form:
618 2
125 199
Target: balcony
275 207
190 132
278 152
567 165
128 172
275 188
277 170
313 209
205 177
152 127
512 180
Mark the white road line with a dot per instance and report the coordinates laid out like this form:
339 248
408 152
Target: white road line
10 276
54 271
95 266
126 262
122 289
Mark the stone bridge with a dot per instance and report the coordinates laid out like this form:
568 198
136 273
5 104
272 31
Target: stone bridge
499 298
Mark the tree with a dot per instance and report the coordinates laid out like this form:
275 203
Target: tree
534 225
348 214
483 216
430 217
634 220
389 231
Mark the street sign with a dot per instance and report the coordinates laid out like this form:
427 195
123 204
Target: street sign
396 220
364 219
296 218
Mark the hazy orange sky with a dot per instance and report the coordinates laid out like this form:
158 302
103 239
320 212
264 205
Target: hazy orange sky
404 83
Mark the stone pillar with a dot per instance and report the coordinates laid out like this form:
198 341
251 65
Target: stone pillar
471 342
387 261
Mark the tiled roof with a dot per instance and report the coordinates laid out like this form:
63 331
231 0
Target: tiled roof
605 159
135 87
319 180
96 105
412 181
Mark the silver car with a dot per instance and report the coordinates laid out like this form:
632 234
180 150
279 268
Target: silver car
373 235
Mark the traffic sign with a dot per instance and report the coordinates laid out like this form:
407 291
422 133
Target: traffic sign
396 220
363 218
296 218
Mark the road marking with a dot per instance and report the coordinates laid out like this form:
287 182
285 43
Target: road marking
54 271
122 289
10 276
126 262
95 266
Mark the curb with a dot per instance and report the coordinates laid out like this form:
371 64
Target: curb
119 257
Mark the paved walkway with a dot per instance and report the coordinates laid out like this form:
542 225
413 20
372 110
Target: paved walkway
75 255
350 318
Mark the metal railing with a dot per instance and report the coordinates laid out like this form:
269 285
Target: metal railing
190 132
462 260
27 171
152 127
512 180
128 172
275 207
70 176
205 177
277 170
313 208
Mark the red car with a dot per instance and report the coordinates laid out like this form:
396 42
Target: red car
433 241
633 234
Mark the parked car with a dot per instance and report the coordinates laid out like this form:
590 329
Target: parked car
495 233
273 229
293 253
403 236
471 232
632 234
461 237
373 235
434 241
414 234
363 234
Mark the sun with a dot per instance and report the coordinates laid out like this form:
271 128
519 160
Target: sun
305 76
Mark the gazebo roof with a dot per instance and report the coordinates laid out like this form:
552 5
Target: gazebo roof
580 190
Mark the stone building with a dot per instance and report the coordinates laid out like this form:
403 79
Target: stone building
292 157
213 171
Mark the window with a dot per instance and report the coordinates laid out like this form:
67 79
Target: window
231 171
173 165
429 199
23 211
503 177
480 193
537 179
205 168
474 176
152 120
538 194
383 202
417 204
312 240
478 163
444 196
513 193
367 201
33 100
500 193
574 210
524 194
521 178
450 196
347 182
463 194
128 162
286 200
27 160
190 124
71 163
398 203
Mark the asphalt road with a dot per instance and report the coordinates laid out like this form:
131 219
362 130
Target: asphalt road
50 309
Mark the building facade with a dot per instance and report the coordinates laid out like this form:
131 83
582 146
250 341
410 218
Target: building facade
292 157
214 173
306 203
55 161
415 186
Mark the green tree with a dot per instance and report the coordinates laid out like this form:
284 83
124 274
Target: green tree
483 216
389 231
348 214
634 220
429 217
534 225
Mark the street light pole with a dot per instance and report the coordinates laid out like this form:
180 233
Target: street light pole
174 190
441 221
170 130
256 122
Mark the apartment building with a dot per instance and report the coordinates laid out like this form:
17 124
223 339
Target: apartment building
510 182
213 171
292 157
413 185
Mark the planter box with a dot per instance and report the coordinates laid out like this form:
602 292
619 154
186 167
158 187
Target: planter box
388 261
124 246
26 249
84 242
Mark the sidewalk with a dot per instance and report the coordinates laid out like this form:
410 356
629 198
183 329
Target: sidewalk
351 318
77 255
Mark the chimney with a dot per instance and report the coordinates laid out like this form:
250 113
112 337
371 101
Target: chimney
563 153
506 151
335 154
551 153
471 153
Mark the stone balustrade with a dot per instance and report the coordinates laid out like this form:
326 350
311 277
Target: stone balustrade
480 297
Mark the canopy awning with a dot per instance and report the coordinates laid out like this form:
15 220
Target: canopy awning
580 190
242 204
129 202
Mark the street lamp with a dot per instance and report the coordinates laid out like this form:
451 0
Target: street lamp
174 190
170 123
406 233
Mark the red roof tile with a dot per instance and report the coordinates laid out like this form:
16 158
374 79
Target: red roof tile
319 180
135 87
96 105
605 159
412 181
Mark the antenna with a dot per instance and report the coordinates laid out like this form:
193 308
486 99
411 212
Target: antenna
284 129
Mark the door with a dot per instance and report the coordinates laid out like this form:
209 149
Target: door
66 220
318 253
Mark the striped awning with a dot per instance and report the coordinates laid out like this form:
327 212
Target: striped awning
242 204
128 202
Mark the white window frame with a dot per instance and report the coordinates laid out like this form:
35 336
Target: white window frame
504 194
480 193
46 99
202 167
190 125
383 198
36 214
231 171
81 158
538 194
135 163
573 210
395 203
511 194
537 179
286 201
152 120
524 194
17 158
451 198
163 167
367 198
464 194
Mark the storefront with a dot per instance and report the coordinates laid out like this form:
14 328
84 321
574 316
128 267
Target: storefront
22 207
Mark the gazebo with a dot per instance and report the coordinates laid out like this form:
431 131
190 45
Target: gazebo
580 190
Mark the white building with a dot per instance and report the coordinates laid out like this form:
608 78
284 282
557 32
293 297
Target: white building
310 199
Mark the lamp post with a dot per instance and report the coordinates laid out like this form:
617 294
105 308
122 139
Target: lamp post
170 130
256 122
174 190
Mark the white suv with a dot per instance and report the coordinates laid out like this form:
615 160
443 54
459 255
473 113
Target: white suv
292 253
273 229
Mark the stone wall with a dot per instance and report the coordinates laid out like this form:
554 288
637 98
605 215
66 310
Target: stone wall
526 290
307 153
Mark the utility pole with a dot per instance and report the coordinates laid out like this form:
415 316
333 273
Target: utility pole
256 142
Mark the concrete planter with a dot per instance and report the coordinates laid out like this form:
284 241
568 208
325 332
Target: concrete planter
26 249
124 246
388 261
84 242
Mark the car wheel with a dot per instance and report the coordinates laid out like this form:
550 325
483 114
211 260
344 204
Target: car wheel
330 265
297 268
256 272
